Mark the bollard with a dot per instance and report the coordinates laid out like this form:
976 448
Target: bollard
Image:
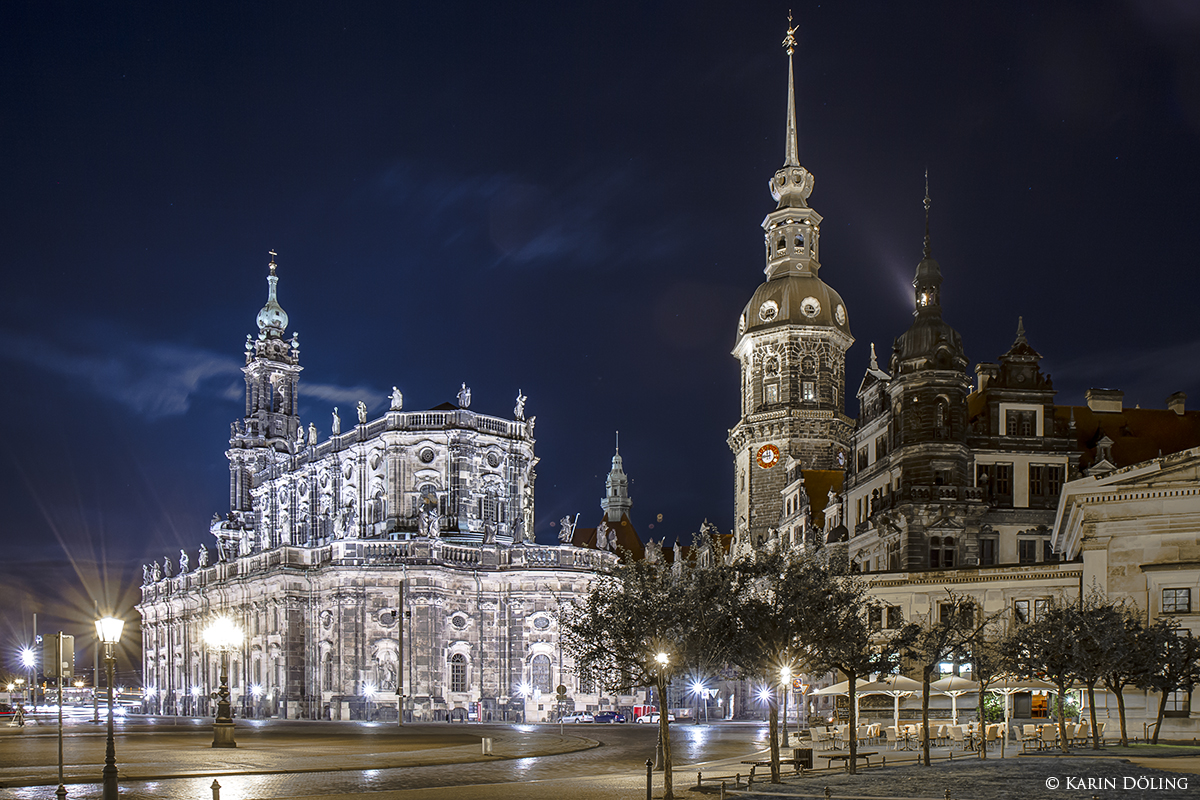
828 794
885 761
216 790
722 790
649 777
737 781
699 779
951 757
947 794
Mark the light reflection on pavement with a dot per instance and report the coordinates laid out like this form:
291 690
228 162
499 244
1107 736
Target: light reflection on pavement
620 757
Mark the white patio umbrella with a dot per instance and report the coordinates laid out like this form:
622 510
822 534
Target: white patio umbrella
860 688
897 686
1008 685
954 686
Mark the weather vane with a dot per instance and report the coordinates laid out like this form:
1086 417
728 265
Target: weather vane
789 41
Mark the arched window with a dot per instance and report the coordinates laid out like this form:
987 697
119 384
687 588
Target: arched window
458 673
540 673
799 242
781 246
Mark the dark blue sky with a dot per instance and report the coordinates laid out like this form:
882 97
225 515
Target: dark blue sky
559 198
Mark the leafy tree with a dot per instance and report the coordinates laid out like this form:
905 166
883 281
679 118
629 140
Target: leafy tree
834 632
941 635
1101 633
1130 660
989 660
1046 647
645 608
1177 664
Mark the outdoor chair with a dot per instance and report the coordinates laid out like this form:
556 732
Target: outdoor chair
1029 735
893 737
1048 736
956 736
876 732
1100 732
1083 732
994 732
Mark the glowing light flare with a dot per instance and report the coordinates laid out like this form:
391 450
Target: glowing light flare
195 691
662 659
223 634
28 658
256 690
763 694
369 689
108 630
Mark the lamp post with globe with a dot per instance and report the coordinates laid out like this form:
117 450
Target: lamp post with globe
108 630
29 660
223 635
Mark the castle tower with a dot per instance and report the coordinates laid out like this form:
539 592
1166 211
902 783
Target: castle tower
791 343
271 422
616 503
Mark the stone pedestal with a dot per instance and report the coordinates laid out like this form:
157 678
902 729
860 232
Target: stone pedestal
223 735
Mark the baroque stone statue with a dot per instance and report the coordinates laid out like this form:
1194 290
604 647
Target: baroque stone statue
203 558
566 530
519 411
157 572
464 396
362 413
312 433
183 562
397 399
337 422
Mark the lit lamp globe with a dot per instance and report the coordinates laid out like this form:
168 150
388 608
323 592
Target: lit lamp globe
108 631
223 635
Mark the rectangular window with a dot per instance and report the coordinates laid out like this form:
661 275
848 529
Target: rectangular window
987 551
881 446
1177 601
1048 554
1041 607
875 617
895 619
772 394
1027 551
808 391
1036 483
1177 704
1021 610
864 458
1054 481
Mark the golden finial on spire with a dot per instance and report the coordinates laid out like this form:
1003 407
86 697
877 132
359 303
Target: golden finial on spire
928 203
789 41
272 265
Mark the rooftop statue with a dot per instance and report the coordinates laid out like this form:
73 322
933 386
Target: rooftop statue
362 413
397 399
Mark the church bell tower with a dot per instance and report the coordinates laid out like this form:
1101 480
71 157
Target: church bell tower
271 423
791 344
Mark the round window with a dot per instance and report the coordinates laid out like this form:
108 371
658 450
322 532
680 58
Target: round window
811 306
541 623
493 459
387 617
426 455
768 311
839 314
458 621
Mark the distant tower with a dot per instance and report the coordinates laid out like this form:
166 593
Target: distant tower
791 342
616 503
272 421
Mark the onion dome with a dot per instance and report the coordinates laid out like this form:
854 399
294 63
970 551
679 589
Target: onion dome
272 319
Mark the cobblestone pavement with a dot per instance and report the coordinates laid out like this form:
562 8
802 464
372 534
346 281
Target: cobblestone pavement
1023 777
346 758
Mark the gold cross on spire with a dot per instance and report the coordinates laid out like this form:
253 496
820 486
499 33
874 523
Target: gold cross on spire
789 41
272 265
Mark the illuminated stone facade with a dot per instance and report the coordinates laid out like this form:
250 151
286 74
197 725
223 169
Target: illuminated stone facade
394 557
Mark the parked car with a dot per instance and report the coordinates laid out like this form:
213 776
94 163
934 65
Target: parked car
653 718
578 716
608 716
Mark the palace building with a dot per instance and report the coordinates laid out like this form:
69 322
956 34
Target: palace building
389 567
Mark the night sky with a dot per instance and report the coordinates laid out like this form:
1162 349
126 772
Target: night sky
561 198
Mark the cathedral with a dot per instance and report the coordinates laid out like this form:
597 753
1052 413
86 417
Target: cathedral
980 483
387 569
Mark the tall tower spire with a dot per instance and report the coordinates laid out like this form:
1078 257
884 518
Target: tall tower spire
616 502
272 419
791 157
928 203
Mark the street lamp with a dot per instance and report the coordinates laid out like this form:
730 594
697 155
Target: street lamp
256 691
108 630
785 680
28 660
368 693
223 635
195 701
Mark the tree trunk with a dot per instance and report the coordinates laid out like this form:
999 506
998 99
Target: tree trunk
982 722
1062 714
926 673
1092 708
1119 690
773 712
853 732
1162 708
665 732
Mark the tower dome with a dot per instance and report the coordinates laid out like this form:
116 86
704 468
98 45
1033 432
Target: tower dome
272 319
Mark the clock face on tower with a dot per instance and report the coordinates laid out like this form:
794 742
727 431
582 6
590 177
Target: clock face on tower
768 456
